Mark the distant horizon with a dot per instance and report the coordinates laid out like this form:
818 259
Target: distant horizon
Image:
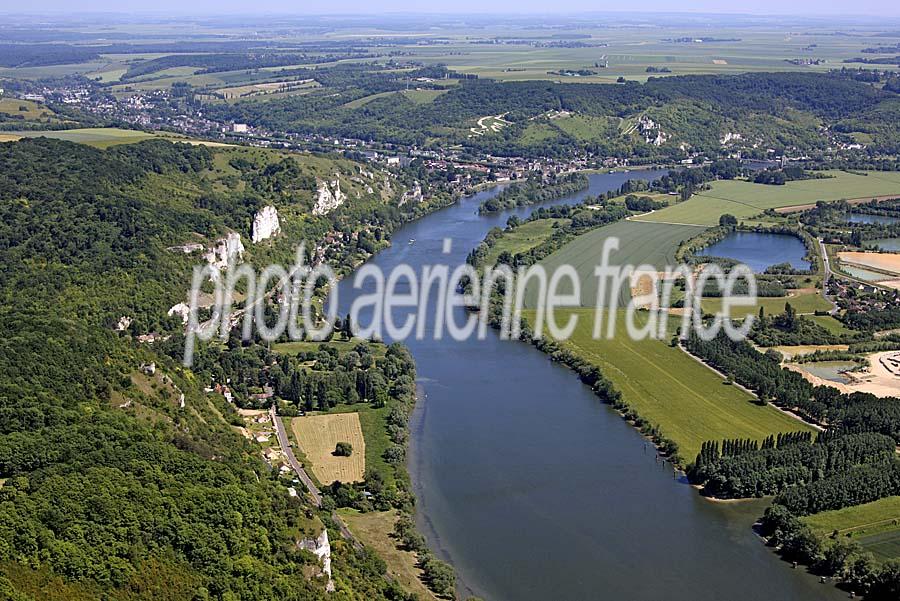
865 9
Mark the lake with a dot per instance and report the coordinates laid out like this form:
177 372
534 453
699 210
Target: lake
535 490
760 250
864 274
865 218
892 244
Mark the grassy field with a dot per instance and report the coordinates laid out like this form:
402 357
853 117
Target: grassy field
667 387
375 530
317 436
744 199
523 238
32 110
100 137
653 244
831 324
875 526
804 302
417 96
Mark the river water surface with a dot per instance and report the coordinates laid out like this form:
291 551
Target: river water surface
534 490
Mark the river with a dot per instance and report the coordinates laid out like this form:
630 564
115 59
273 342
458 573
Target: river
534 490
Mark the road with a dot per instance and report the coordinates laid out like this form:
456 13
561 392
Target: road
311 488
825 279
292 460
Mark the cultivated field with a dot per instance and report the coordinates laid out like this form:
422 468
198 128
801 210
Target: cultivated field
104 137
317 436
875 526
101 137
627 51
653 244
32 110
744 199
668 387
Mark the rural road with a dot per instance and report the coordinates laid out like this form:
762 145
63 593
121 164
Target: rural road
827 277
285 445
292 460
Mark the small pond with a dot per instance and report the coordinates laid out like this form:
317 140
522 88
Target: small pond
864 274
892 244
833 371
865 218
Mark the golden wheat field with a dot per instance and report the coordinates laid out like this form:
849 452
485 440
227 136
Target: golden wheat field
317 436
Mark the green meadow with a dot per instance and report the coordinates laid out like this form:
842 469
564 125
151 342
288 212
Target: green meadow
804 302
688 401
744 199
875 526
652 244
523 238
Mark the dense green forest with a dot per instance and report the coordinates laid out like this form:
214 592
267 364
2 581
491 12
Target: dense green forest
110 487
851 463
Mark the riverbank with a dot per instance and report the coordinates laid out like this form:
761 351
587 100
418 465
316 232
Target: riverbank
501 437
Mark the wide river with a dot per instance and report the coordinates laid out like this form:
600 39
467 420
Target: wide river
534 490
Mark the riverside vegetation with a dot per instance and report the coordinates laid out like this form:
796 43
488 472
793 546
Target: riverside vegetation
852 463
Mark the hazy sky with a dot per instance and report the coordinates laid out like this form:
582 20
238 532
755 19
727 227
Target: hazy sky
212 7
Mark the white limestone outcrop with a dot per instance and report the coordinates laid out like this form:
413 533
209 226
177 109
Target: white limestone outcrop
265 224
329 196
225 250
652 131
730 137
181 309
321 548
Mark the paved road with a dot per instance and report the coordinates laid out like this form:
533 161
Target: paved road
827 277
304 477
292 460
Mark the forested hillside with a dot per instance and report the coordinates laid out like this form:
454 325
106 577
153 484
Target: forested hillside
660 118
112 484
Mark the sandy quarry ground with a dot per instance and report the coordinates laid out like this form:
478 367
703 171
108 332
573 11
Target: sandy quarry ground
251 412
882 378
885 262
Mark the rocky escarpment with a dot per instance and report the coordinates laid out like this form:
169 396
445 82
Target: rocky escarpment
225 250
321 548
329 196
652 131
414 195
265 224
